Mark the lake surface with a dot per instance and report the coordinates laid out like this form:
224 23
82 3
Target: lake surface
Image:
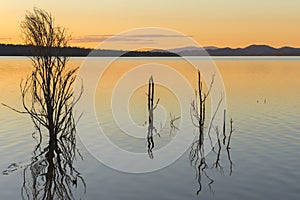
262 98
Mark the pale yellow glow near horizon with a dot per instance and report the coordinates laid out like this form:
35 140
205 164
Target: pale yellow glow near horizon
233 23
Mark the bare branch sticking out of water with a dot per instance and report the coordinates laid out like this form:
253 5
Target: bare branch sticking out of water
211 123
224 128
196 155
172 125
230 133
151 108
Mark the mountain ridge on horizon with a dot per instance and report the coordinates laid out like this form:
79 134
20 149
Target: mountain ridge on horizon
251 50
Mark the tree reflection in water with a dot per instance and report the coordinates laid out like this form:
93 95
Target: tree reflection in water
197 151
151 108
51 174
48 98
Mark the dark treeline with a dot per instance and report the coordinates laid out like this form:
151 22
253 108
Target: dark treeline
30 50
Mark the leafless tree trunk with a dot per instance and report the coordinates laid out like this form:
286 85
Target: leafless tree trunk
48 98
197 156
151 108
230 133
47 94
224 128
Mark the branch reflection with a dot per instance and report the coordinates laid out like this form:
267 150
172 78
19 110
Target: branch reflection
151 108
51 174
197 151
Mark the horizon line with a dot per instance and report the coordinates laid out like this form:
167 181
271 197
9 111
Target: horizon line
206 46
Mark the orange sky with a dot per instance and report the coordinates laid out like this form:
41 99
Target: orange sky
233 23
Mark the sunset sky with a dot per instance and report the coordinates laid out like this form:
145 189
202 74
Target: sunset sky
232 23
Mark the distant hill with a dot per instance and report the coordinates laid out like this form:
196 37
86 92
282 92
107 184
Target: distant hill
192 48
252 50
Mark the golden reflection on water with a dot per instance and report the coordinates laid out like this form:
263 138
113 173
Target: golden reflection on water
251 83
12 71
247 82
120 67
137 103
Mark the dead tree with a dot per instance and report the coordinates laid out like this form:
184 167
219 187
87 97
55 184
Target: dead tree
47 94
198 107
230 133
224 127
197 154
151 108
198 114
48 98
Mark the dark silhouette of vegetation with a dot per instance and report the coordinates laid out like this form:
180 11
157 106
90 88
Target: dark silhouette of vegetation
151 108
47 94
230 133
48 98
32 50
198 106
224 128
197 152
196 156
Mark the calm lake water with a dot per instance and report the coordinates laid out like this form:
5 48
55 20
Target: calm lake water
263 99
